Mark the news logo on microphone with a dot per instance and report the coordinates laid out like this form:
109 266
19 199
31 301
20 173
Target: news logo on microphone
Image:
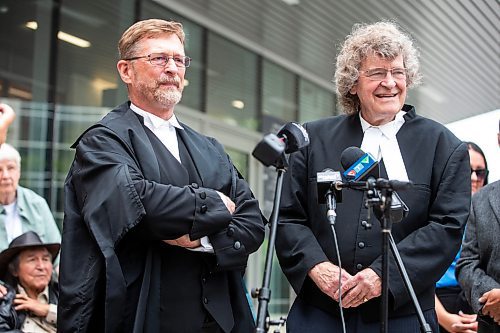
360 168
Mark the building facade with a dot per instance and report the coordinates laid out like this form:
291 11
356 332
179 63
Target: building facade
256 65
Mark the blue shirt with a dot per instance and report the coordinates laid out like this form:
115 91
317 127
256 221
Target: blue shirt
449 279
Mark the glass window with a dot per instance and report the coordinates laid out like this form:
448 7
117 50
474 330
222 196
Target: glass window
315 102
278 93
87 72
232 83
24 55
240 161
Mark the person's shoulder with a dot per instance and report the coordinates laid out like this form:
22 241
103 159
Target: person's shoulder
433 131
116 122
113 116
195 134
488 191
412 118
327 123
29 195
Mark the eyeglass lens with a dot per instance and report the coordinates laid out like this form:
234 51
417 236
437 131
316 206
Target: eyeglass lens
159 59
381 73
480 173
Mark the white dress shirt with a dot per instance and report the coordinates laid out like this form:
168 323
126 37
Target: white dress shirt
381 142
165 131
34 324
13 225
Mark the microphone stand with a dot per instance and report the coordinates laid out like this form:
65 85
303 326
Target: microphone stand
264 293
388 242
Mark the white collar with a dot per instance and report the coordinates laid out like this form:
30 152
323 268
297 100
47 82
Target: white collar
154 121
390 129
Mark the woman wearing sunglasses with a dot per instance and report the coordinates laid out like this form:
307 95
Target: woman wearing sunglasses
453 311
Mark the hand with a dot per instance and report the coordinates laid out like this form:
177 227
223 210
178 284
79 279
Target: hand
463 323
7 116
491 301
184 241
231 207
326 276
23 302
452 322
3 291
360 288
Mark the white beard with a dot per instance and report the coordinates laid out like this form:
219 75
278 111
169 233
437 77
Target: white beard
169 97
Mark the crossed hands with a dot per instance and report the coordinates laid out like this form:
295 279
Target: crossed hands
186 242
491 304
461 323
356 289
23 302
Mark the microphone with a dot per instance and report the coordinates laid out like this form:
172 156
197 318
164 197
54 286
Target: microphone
359 166
328 192
289 139
295 137
326 182
398 210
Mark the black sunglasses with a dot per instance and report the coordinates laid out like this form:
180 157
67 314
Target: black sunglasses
480 173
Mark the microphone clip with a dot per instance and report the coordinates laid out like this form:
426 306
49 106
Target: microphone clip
328 184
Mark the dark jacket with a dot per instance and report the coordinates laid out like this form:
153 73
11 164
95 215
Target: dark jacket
12 320
121 202
478 269
427 239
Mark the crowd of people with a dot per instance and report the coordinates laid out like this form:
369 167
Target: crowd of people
159 224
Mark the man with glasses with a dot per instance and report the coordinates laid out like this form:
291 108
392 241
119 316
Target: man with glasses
376 66
478 269
158 223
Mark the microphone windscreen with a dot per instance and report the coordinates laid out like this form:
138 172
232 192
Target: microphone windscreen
349 156
295 136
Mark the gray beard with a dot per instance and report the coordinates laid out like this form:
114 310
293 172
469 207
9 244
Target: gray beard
170 97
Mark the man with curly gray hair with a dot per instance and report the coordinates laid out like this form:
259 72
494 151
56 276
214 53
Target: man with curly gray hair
376 65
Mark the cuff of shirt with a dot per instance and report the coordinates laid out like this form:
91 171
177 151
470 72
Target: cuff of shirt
51 317
205 246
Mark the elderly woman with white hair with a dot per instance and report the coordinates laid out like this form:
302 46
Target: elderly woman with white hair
21 209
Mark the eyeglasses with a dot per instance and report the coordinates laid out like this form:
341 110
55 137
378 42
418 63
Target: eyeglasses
379 74
480 173
161 60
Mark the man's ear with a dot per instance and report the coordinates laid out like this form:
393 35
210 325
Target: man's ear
124 69
354 89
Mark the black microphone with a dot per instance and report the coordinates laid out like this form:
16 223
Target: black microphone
295 137
359 166
290 138
326 182
328 193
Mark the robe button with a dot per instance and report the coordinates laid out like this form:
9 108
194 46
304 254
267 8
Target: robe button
203 209
361 245
203 195
205 300
230 231
359 266
194 185
237 245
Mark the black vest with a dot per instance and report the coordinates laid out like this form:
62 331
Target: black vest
183 272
